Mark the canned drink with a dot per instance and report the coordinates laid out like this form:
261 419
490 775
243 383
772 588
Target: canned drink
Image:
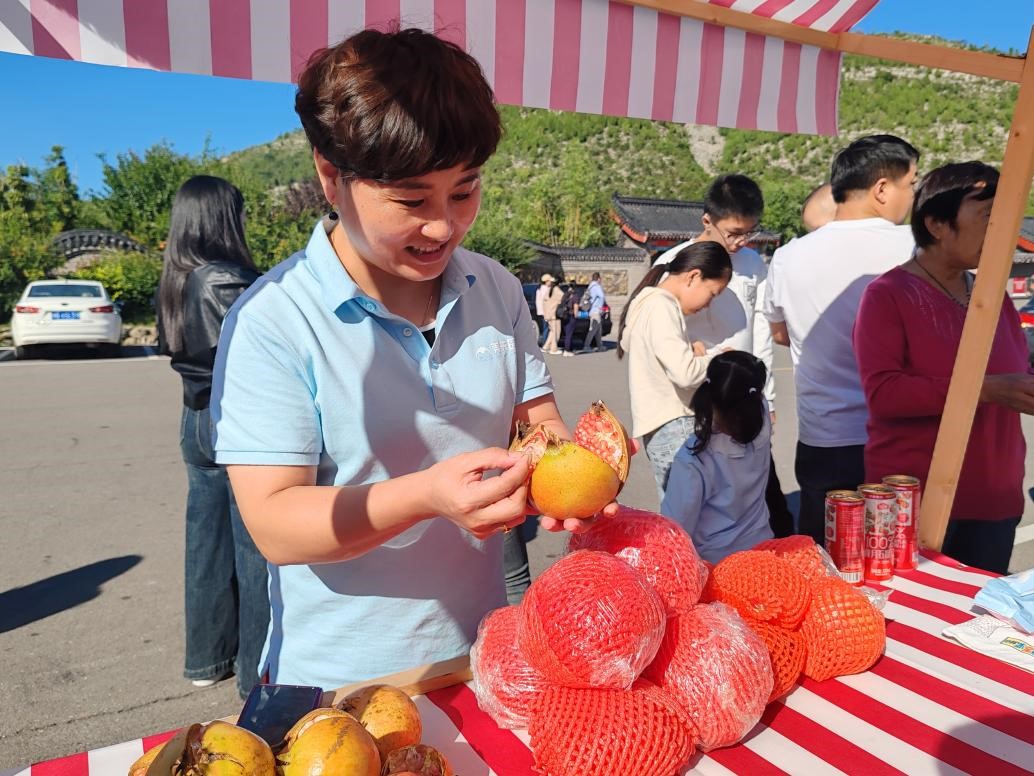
845 533
881 515
906 532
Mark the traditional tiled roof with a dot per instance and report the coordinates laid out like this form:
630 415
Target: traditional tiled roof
1026 240
651 220
1023 257
603 253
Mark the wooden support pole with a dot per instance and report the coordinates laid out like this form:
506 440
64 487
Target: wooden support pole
998 66
982 317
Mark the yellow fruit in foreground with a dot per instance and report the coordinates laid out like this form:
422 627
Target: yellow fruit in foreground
223 749
329 742
389 715
570 481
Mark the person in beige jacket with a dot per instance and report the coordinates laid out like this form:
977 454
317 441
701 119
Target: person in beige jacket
664 365
550 303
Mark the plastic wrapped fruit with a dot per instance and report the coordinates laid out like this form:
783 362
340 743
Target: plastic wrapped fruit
761 586
504 682
654 545
787 651
717 669
843 632
587 731
802 553
591 620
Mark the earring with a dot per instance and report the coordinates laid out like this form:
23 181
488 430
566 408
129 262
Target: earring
332 215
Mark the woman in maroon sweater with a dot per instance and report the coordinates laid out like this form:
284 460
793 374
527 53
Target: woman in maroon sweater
906 337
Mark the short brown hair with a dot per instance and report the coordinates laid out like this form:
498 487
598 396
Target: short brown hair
397 104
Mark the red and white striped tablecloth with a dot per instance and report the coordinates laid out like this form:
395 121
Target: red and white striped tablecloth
928 707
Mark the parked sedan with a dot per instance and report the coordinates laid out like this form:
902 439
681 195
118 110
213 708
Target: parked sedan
62 312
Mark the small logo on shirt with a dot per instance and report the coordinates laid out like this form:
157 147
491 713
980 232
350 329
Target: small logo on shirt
494 350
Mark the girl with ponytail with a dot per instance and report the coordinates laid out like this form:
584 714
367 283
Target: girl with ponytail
664 365
716 490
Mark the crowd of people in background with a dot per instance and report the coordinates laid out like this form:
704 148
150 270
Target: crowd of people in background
339 482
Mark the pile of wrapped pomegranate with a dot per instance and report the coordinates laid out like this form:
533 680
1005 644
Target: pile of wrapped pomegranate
630 654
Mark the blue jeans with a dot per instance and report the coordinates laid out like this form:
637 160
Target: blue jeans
225 579
661 446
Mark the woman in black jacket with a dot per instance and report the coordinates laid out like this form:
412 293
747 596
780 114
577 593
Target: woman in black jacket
207 266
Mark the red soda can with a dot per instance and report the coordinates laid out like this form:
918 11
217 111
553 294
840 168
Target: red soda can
881 516
906 532
845 533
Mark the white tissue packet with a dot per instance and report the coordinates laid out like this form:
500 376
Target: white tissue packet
990 636
1010 598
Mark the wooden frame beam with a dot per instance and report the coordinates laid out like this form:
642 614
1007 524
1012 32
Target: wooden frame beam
982 317
997 66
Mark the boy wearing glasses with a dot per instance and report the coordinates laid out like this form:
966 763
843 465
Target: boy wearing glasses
734 321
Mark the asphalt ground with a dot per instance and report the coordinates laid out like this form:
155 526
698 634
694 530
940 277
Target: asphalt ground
92 490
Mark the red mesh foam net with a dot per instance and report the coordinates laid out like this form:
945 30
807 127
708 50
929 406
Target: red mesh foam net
591 620
800 551
717 669
654 545
762 586
786 650
843 632
504 683
578 731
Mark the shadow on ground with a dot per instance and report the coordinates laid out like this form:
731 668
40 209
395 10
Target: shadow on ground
23 605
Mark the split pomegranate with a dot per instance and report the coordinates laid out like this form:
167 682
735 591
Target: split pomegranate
579 478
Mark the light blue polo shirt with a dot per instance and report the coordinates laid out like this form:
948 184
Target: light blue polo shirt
310 371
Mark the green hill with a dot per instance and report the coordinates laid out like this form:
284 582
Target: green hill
553 175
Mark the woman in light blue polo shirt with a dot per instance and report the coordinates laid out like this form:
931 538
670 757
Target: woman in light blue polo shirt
367 383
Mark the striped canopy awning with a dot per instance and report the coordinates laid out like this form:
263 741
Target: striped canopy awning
591 56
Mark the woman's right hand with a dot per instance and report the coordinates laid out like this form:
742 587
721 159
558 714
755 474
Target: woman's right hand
482 506
699 349
1015 391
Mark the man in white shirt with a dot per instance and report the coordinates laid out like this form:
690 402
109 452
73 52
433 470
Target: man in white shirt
815 284
733 207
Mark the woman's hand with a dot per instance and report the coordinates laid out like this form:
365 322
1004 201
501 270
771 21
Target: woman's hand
482 506
581 525
1015 391
699 349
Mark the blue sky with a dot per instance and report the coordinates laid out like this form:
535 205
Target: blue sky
91 110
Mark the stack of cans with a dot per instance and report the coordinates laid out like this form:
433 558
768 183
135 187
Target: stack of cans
871 531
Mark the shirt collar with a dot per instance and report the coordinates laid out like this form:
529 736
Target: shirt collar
727 446
338 288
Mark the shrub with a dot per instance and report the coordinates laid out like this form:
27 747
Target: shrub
131 279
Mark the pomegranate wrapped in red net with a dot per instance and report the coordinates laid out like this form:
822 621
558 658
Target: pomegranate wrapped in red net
578 731
717 669
843 632
786 650
761 586
591 620
656 546
504 683
802 553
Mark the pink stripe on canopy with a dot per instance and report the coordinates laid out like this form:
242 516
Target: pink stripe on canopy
637 57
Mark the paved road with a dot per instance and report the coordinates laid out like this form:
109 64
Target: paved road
91 499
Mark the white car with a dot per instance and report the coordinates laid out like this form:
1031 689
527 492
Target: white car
60 312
